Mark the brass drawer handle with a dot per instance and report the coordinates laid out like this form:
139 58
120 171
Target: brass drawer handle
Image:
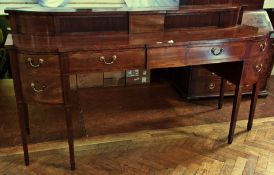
32 64
211 86
217 51
263 46
170 42
259 67
103 59
228 83
35 89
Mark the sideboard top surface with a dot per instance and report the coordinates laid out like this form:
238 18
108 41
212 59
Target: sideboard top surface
66 43
90 11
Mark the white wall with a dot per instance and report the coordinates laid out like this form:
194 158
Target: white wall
269 4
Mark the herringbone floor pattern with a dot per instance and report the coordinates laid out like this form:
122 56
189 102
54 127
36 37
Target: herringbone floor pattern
189 150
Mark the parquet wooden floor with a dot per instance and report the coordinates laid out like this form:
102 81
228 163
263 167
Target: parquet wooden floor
200 149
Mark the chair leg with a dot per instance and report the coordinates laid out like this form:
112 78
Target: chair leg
70 137
235 111
26 116
222 91
22 120
254 97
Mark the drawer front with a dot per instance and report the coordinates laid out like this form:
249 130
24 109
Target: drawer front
203 87
256 66
42 89
207 86
206 83
106 61
259 48
38 64
164 57
215 53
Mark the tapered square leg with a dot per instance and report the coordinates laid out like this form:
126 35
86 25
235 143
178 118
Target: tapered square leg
70 137
235 111
22 123
222 91
26 116
254 97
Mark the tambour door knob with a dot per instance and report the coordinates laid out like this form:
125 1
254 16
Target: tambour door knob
37 90
32 64
217 51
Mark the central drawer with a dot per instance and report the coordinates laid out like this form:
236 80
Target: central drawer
215 53
107 60
164 57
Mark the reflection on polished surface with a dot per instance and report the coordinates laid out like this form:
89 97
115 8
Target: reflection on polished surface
130 5
152 3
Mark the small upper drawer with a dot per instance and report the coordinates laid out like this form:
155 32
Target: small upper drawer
215 53
163 57
104 61
258 48
42 89
42 64
256 66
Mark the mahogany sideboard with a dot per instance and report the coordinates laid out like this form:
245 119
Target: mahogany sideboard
48 46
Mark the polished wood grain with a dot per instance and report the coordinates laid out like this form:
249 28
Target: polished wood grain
204 54
125 41
21 105
90 61
254 98
67 105
256 65
142 23
51 93
222 92
157 57
259 48
92 23
41 64
223 15
44 25
235 111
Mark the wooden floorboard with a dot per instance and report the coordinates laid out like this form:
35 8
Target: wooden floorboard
197 149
